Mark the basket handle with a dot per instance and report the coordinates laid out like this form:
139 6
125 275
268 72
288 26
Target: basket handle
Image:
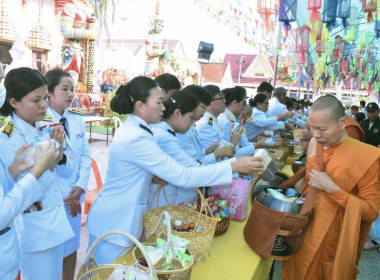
204 207
157 194
165 216
90 252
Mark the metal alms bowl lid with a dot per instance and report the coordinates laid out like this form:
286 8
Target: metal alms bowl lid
279 205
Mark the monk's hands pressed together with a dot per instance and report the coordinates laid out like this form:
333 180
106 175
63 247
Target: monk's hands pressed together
322 181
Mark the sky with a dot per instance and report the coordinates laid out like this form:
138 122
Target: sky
183 20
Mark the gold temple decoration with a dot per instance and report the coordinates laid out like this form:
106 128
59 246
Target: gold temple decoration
39 37
7 30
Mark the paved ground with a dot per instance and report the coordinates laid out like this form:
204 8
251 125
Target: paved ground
369 264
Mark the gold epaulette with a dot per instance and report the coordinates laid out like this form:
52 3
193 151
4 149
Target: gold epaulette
48 118
210 120
75 111
8 128
231 118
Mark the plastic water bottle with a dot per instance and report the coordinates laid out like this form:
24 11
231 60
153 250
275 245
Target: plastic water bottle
297 134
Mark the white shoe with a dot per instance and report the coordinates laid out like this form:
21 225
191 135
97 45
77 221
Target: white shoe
371 245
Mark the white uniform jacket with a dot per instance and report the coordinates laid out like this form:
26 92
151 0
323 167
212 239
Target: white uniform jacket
168 141
134 159
225 120
77 169
14 199
260 122
209 130
298 120
190 142
45 229
276 108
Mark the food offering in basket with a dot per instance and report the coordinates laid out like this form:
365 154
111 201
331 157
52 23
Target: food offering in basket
221 213
192 205
90 270
200 240
282 200
155 252
169 253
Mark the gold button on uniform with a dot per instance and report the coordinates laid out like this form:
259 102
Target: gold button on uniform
72 181
56 189
72 156
59 204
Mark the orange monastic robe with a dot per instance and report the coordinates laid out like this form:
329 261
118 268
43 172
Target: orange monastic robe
353 129
341 220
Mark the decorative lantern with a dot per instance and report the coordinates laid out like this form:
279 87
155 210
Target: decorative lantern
267 8
276 38
287 13
302 42
314 5
316 30
344 11
333 57
338 45
352 20
350 34
329 13
291 41
346 49
369 6
372 53
320 47
377 28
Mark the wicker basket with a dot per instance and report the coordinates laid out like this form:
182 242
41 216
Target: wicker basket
91 271
177 272
200 241
222 225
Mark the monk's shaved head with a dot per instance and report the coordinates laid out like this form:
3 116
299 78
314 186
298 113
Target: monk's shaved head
330 104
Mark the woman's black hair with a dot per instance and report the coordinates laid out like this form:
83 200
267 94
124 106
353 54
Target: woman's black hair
289 103
265 86
213 90
183 100
200 92
53 78
259 98
168 82
236 93
18 83
126 96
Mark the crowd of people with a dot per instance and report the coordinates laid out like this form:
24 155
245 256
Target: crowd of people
182 138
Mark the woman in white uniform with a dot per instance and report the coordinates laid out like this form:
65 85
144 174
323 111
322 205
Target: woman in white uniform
15 198
134 159
259 120
178 117
76 171
43 227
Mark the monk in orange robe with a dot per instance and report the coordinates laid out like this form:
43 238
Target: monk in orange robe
353 129
348 199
